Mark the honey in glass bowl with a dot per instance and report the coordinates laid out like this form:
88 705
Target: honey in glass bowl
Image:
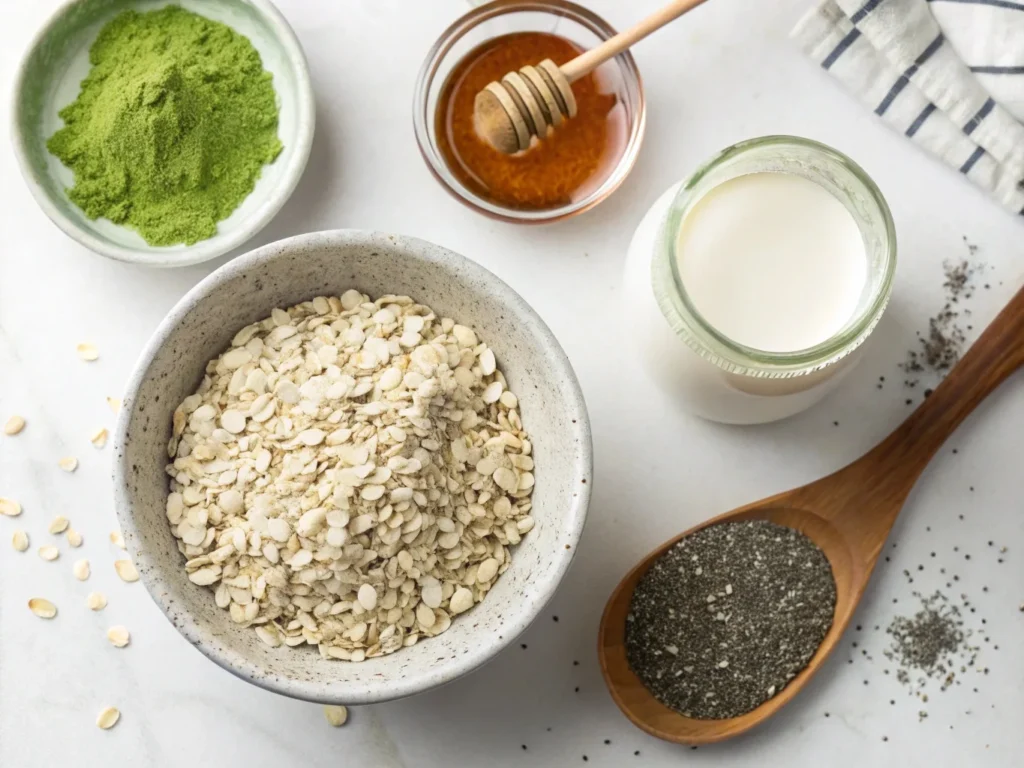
568 165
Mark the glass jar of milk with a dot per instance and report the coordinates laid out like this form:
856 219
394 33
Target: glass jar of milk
751 287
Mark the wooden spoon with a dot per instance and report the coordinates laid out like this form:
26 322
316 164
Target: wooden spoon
847 514
524 104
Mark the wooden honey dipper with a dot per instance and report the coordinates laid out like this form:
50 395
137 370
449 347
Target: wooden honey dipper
534 100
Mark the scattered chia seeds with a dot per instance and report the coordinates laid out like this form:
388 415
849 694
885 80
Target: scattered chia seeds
940 348
932 643
727 617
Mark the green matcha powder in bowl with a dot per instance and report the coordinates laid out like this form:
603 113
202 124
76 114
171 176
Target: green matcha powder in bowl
173 125
154 133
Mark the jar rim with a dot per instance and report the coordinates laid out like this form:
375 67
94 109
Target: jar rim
731 355
432 66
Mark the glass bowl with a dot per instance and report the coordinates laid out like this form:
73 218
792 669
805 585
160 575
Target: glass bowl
502 17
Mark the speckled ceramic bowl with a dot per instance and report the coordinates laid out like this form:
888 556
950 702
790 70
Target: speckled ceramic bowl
48 79
282 274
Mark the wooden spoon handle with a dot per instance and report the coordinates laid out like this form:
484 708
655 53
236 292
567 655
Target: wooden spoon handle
997 353
589 60
875 486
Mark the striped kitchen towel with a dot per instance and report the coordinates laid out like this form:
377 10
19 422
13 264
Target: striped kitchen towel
948 74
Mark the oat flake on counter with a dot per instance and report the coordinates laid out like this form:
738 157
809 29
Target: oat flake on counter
99 437
19 540
9 507
14 425
118 636
108 717
126 570
336 715
96 601
350 474
42 607
87 352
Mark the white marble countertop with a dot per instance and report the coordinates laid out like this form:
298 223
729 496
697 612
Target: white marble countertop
725 73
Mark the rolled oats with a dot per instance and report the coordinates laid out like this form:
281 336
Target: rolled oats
99 437
14 425
81 569
118 636
126 570
59 524
108 717
42 608
350 474
9 507
19 540
87 352
336 715
96 601
68 463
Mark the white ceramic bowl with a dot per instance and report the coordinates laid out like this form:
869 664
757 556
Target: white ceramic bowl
48 79
282 274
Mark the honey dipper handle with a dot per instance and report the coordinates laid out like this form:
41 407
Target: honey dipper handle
879 482
589 60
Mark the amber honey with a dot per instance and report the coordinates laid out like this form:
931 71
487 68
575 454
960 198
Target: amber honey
568 165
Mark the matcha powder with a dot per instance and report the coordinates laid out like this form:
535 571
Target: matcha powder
172 126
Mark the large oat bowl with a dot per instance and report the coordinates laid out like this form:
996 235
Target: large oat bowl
283 274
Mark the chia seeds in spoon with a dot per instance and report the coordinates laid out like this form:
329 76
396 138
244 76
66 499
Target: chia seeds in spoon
728 616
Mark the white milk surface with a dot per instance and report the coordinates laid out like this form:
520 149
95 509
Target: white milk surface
772 261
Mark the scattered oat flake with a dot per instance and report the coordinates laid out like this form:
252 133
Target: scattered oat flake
99 437
49 553
118 636
96 601
59 524
19 540
74 538
14 425
336 715
117 539
126 570
115 404
68 463
9 507
87 352
42 608
81 569
108 718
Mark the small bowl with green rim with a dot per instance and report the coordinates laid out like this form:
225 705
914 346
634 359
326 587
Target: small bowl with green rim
48 79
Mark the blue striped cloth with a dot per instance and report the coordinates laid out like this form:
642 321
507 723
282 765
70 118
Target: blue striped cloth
948 74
